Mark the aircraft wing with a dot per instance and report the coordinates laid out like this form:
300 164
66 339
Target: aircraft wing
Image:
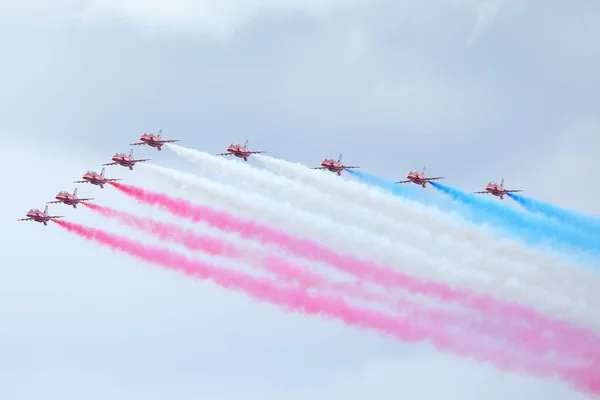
512 191
256 152
112 179
137 144
402 182
318 168
484 192
140 160
435 179
25 219
55 216
80 182
350 167
225 154
110 163
54 202
169 141
86 199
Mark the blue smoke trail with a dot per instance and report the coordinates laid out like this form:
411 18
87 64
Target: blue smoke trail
532 228
410 192
383 183
571 217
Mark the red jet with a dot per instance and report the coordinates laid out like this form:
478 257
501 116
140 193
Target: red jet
36 215
334 166
153 140
497 189
240 151
69 199
419 178
125 160
96 179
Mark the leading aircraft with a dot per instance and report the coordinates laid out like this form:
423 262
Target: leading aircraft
125 160
38 216
69 199
153 140
497 189
334 166
240 151
96 179
419 178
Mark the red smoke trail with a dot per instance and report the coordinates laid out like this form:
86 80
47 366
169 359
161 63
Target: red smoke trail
533 339
280 267
587 341
220 247
586 379
290 271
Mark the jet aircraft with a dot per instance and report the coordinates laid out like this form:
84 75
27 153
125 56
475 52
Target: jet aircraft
153 140
497 189
334 166
125 160
69 199
419 178
96 179
240 151
39 216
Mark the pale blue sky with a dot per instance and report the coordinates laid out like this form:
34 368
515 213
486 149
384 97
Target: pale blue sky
392 85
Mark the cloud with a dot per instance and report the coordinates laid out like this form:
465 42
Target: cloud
390 85
485 14
220 17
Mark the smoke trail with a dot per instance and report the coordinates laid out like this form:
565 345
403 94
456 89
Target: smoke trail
459 243
571 217
532 228
407 192
284 269
583 378
220 247
405 210
386 184
291 272
568 282
529 264
410 238
588 342
384 276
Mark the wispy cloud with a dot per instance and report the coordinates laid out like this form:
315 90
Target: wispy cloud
485 14
216 18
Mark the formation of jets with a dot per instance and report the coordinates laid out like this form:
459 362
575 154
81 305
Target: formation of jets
236 150
97 179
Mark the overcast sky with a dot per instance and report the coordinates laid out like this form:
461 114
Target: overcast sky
474 90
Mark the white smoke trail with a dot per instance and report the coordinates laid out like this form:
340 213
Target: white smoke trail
399 208
377 248
455 243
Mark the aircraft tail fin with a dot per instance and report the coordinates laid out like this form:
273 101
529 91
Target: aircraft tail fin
423 171
159 134
502 183
46 210
131 153
340 159
75 192
102 172
246 144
